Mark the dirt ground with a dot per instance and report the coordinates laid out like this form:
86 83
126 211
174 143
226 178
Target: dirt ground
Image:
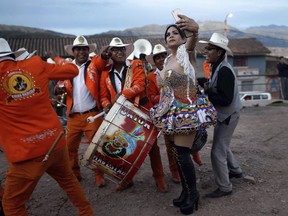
260 145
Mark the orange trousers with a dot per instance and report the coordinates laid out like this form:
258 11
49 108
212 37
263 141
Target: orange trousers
22 178
156 162
77 125
1 190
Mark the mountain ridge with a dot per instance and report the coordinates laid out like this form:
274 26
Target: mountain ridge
271 35
16 31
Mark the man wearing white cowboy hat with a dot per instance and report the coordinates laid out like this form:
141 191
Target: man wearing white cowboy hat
127 77
222 91
37 145
82 100
20 56
119 67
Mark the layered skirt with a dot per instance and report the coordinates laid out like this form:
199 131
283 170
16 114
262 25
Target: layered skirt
173 116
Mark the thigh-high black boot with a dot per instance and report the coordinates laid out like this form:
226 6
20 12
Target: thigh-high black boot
178 202
188 180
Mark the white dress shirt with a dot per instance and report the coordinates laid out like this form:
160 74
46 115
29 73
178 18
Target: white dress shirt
118 79
82 99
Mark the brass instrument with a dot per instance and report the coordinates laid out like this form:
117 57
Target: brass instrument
142 46
61 102
60 90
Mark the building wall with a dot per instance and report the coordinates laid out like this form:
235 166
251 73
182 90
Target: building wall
250 78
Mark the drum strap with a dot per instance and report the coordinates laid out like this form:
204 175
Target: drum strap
128 78
128 81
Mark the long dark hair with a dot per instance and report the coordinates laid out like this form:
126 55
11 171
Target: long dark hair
179 30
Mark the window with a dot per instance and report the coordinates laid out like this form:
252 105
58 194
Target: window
247 85
248 97
240 62
256 97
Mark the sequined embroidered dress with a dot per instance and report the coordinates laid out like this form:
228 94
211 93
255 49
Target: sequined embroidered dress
181 109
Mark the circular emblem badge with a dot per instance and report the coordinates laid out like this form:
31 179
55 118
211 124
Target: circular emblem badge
18 85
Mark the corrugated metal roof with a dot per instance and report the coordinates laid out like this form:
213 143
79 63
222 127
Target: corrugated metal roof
245 46
242 47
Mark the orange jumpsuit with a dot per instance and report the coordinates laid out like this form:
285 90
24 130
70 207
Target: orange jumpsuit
108 94
77 123
29 127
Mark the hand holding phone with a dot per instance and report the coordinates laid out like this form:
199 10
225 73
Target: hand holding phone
175 13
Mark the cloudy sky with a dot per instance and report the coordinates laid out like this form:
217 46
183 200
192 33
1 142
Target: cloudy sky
95 16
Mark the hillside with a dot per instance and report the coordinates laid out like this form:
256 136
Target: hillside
153 30
270 36
274 31
13 31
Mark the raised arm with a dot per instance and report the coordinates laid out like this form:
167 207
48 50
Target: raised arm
188 24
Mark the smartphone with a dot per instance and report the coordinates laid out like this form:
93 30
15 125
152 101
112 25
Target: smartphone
175 13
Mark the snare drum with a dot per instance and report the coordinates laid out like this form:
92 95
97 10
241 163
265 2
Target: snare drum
122 141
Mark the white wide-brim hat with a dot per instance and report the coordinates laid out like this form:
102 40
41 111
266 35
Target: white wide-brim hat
117 42
79 41
25 55
158 49
219 40
5 49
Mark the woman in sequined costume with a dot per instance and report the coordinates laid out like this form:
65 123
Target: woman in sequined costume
181 111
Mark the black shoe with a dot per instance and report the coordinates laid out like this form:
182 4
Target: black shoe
235 175
218 193
181 199
188 208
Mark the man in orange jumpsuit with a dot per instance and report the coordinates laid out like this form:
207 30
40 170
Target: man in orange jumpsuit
29 128
22 56
82 100
114 81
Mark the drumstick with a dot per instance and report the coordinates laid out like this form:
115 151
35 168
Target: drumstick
53 146
91 119
59 102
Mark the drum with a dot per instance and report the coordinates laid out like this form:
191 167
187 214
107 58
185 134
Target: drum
122 142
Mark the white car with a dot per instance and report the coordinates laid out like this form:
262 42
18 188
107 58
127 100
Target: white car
255 98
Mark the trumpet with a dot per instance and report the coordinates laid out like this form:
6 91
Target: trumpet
61 93
61 102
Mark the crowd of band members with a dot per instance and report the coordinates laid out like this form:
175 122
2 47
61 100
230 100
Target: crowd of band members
110 83
94 89
93 85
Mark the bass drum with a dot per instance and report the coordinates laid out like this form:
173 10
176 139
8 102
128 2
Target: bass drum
122 142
